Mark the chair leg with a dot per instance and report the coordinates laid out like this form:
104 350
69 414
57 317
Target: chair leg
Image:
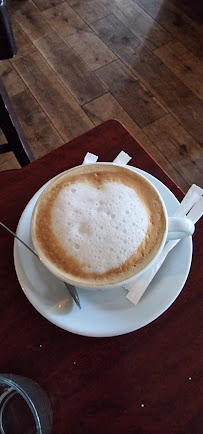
12 129
7 41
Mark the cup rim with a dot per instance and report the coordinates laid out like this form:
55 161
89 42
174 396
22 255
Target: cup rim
109 285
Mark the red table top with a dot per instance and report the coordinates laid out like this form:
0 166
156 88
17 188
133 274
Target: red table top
158 365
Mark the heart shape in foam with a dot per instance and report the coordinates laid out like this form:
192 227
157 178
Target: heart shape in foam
100 227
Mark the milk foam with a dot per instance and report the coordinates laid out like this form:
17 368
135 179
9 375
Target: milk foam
101 228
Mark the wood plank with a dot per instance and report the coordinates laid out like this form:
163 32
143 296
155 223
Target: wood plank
57 102
106 107
12 81
65 19
174 21
31 20
46 4
90 10
39 131
136 100
10 164
178 147
73 72
91 49
193 9
168 89
23 43
5 157
8 155
2 137
140 23
184 64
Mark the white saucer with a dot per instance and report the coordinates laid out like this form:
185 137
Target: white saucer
103 313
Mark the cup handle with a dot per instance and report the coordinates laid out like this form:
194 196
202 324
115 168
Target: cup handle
179 227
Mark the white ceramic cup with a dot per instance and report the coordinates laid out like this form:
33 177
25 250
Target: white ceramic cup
176 228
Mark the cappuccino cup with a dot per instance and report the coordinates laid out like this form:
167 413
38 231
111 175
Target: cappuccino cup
98 226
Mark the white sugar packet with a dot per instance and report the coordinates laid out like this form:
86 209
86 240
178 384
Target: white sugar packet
90 158
121 160
192 207
191 197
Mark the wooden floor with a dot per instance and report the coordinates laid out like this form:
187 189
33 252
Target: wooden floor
80 62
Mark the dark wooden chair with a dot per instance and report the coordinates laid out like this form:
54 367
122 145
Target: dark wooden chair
9 124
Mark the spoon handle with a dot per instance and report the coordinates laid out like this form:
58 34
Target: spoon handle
73 294
11 232
70 288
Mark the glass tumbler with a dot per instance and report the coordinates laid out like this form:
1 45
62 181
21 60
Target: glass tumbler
24 406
